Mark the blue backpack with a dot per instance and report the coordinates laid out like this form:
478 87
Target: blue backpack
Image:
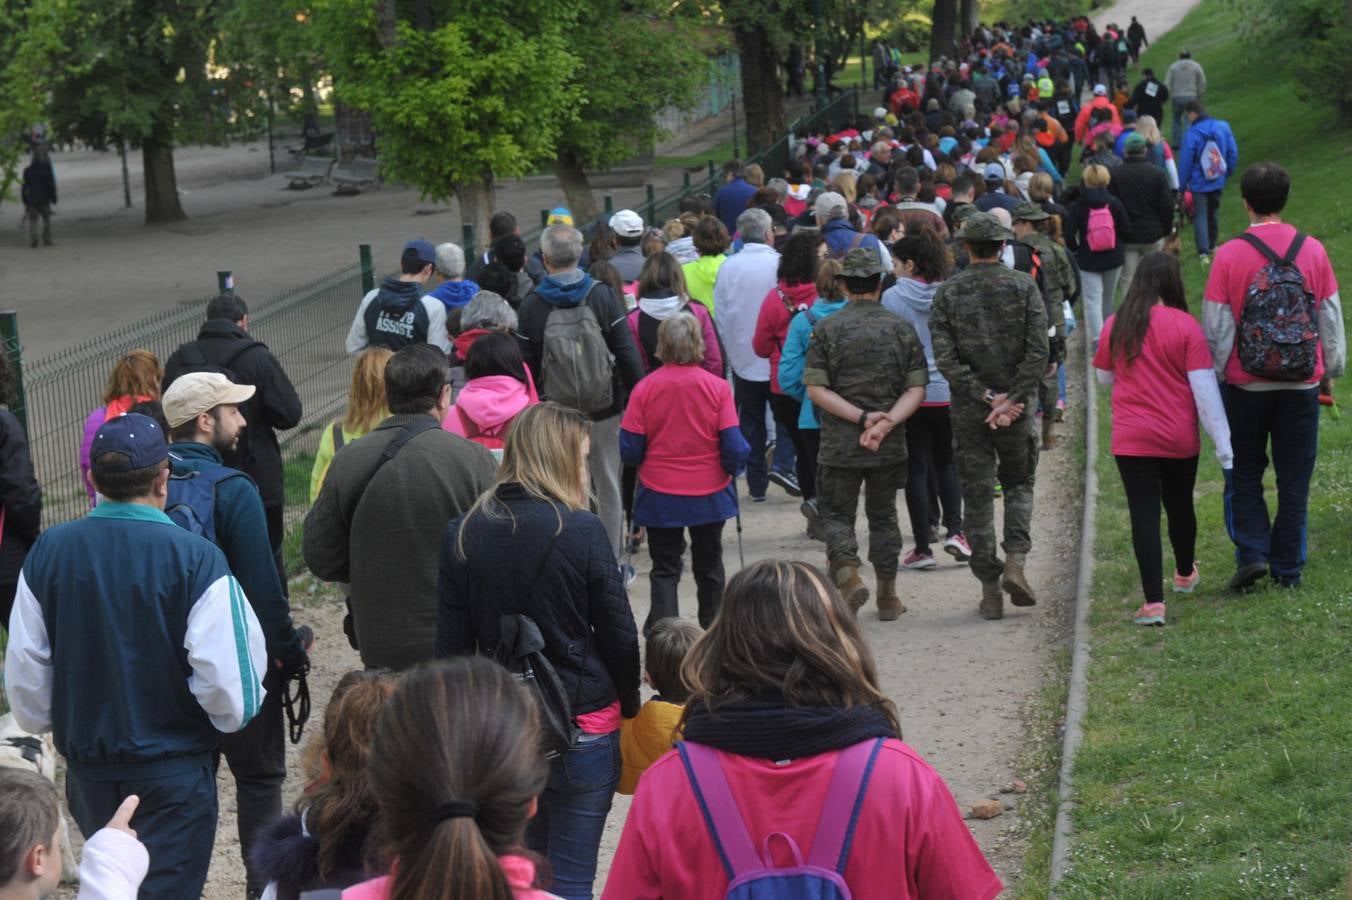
192 498
752 875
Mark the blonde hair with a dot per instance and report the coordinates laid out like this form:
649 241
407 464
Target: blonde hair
680 340
1148 128
673 230
544 456
138 374
1040 187
1097 176
846 184
829 286
754 175
366 402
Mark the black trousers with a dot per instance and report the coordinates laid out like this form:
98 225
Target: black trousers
666 546
1150 481
932 481
277 531
257 758
786 411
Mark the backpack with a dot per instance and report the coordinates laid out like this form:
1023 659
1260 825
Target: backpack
576 362
1278 337
1213 161
195 360
1101 232
855 243
192 498
751 872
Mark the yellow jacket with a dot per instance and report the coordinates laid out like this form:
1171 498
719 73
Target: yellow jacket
646 737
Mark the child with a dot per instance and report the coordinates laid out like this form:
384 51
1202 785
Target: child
31 835
325 843
654 730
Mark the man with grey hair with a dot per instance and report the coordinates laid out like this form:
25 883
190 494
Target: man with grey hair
582 354
486 313
454 291
833 218
743 282
880 159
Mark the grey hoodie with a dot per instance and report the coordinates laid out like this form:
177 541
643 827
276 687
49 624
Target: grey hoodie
912 300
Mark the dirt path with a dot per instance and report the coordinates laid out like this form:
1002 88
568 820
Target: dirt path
1158 16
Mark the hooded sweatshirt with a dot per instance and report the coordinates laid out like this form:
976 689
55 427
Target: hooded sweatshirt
653 311
912 299
772 325
792 359
683 249
486 406
455 294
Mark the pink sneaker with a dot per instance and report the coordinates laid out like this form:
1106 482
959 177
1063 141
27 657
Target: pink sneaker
917 560
1150 614
1186 584
958 548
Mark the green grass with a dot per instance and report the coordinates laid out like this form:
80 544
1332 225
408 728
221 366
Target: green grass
296 481
1217 754
719 153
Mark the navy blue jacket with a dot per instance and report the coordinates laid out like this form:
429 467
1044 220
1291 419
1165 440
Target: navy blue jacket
730 201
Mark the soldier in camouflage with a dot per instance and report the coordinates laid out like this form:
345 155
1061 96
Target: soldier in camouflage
1058 278
865 370
989 330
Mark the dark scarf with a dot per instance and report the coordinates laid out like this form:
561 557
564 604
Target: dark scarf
768 728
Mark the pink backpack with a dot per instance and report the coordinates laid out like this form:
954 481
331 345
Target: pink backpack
1101 235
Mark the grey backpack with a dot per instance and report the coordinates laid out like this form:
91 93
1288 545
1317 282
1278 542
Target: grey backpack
577 364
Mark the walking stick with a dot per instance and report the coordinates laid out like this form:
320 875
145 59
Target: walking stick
741 554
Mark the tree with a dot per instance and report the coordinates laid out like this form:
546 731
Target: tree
459 93
1312 39
760 28
29 38
945 20
969 17
634 61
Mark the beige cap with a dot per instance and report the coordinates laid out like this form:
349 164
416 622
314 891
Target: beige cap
193 394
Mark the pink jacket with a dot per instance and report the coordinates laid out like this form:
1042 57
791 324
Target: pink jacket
520 873
486 406
772 325
713 352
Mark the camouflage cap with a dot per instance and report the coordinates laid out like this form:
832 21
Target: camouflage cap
862 262
983 227
1030 212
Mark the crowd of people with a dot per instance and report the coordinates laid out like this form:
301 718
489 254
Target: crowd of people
888 315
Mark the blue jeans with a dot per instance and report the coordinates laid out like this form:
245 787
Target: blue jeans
573 808
753 399
1290 420
1205 224
1180 121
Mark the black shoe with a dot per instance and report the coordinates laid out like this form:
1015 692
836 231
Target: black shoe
1247 575
1290 582
788 481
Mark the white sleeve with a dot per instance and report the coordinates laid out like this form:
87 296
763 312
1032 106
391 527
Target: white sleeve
1218 321
1333 336
1206 394
28 663
112 866
227 655
884 256
929 161
357 340
436 324
1171 169
1104 376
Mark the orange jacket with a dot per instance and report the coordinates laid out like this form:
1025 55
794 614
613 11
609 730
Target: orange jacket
1082 120
645 738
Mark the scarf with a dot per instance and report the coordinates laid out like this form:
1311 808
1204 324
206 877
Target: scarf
768 728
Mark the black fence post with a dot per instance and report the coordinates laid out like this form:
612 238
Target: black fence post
544 218
685 182
467 231
652 205
9 337
610 204
225 282
368 268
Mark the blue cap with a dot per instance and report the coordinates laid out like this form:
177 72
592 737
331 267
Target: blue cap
422 251
136 437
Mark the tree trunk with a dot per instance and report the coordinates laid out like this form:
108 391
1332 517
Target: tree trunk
386 18
762 94
157 165
970 17
945 19
476 208
576 188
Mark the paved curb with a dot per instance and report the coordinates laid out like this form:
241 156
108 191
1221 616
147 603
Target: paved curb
1076 698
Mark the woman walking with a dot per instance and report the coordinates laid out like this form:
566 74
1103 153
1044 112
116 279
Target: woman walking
135 379
680 431
1155 356
497 387
366 408
1098 232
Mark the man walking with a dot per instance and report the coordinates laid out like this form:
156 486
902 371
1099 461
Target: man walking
1147 98
1058 286
397 313
731 199
39 196
1143 188
1270 382
1208 157
1186 82
131 641
223 504
380 517
989 330
224 345
866 371
742 284
1136 39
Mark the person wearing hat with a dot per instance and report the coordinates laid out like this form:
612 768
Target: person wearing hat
1100 101
989 333
1143 188
1058 286
995 175
131 641
628 258
866 372
203 412
397 313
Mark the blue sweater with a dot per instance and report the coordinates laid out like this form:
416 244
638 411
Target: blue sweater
1190 165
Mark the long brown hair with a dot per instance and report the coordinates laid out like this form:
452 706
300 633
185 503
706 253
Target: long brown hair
1157 279
340 802
366 401
783 628
456 765
138 374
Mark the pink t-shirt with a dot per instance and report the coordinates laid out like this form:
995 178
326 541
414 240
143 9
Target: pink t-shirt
681 410
1153 409
519 870
909 842
1233 269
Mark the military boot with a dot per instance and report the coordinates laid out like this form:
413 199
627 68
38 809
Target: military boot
1015 582
890 606
992 601
848 582
1048 433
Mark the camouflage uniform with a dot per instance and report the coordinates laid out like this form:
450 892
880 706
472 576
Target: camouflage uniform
989 330
869 356
1059 278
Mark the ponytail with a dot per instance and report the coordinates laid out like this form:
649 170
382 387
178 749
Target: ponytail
450 862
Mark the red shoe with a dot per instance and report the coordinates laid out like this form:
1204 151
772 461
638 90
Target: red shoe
1186 584
917 560
957 547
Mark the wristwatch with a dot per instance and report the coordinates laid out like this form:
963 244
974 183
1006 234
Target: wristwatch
863 420
989 397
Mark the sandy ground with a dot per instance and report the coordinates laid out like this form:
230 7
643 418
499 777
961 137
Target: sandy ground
1158 16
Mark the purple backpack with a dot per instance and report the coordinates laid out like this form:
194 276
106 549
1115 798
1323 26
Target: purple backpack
752 874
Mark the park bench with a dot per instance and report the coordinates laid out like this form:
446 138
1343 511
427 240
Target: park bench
313 144
313 170
355 175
